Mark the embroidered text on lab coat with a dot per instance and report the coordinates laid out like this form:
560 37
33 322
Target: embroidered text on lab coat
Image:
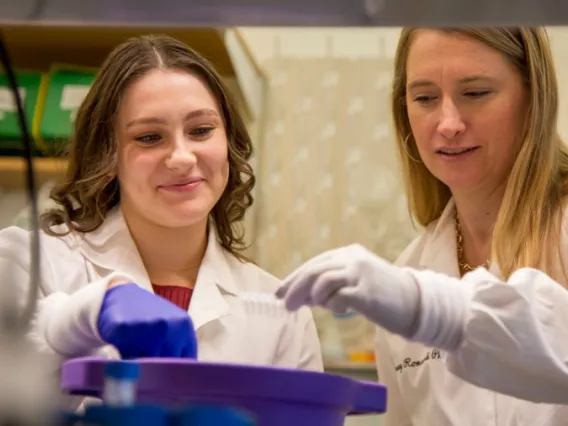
408 362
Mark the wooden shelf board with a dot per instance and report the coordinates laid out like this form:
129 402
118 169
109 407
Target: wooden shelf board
12 171
37 47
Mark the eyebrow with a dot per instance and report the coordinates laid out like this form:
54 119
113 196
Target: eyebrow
426 83
156 120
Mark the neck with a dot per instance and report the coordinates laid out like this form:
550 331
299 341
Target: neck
171 256
477 215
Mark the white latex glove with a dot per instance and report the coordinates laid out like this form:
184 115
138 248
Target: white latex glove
353 278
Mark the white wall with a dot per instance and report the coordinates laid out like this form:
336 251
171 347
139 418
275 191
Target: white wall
313 42
267 43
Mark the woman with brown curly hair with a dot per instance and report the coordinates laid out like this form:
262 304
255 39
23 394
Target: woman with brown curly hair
157 185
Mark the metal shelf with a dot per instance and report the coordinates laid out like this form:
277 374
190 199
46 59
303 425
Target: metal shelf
221 13
347 366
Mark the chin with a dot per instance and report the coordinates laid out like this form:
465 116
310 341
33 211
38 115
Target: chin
181 218
462 183
190 218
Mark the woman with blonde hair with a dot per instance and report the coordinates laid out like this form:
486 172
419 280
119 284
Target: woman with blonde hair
486 174
145 249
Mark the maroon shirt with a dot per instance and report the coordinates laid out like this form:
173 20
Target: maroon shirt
180 296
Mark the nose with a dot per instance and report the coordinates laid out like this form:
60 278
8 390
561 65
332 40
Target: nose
451 123
181 158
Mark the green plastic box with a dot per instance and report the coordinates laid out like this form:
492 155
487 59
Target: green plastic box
10 134
62 92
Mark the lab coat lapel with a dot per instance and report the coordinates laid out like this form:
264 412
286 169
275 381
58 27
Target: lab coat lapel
213 281
440 251
111 247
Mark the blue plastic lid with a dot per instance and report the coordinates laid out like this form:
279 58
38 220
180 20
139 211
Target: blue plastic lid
104 415
213 416
122 370
348 314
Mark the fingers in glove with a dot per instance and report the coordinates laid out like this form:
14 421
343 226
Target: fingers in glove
288 282
300 288
189 350
345 299
337 306
326 285
281 291
179 332
127 354
151 337
171 348
190 346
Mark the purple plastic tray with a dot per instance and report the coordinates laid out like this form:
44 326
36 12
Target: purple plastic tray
274 396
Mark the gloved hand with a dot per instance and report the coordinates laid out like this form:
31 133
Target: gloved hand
140 324
353 278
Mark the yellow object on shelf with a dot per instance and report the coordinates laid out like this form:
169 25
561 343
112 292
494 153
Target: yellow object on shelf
362 357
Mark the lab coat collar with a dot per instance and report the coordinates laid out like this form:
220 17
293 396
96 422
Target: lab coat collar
112 247
214 278
440 250
215 267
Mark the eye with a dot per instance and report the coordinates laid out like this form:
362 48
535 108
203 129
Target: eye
424 99
477 93
149 139
201 132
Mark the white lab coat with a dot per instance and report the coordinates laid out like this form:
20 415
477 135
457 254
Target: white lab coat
75 270
515 340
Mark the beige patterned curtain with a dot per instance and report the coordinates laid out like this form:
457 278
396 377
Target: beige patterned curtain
327 167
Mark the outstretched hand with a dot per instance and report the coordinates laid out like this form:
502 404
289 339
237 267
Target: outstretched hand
353 278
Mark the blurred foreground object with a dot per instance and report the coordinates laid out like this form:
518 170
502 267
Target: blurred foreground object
220 13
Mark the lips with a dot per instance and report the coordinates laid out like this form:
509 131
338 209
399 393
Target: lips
184 182
456 151
184 186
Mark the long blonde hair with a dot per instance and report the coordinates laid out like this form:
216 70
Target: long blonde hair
527 231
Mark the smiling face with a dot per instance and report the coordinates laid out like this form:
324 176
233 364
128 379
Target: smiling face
172 150
466 106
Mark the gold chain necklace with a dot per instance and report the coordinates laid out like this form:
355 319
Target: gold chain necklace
463 265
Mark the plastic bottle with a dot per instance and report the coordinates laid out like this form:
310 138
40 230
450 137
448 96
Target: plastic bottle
121 378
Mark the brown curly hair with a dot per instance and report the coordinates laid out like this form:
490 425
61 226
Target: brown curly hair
90 188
